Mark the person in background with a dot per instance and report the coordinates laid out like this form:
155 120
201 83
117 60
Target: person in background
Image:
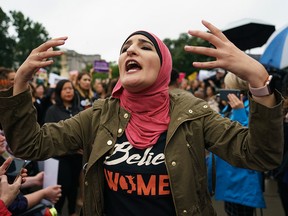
281 173
42 103
185 84
70 165
174 79
216 80
240 189
110 86
210 97
143 148
84 90
7 76
100 89
25 201
73 76
85 95
194 85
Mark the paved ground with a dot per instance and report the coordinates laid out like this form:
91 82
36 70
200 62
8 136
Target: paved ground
273 203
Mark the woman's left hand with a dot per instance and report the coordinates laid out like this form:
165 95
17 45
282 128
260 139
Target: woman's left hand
227 56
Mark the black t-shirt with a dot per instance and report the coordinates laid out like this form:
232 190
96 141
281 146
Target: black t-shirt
137 182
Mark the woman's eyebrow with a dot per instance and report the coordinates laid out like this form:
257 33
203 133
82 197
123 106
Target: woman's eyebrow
145 41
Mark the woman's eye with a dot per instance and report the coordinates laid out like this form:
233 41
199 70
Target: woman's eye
146 48
124 49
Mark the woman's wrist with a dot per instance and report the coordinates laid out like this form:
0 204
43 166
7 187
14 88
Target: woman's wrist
19 88
256 74
264 90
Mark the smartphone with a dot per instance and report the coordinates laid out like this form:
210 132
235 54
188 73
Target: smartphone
15 168
224 92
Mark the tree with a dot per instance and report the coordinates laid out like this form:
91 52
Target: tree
115 69
7 43
14 48
29 35
183 60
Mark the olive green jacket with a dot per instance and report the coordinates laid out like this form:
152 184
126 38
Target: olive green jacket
194 127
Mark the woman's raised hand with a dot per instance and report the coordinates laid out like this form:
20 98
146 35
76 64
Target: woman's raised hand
38 58
227 56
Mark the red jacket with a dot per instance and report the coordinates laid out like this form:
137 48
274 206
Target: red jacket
3 209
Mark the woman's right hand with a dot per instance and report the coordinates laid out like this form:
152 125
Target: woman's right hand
53 193
38 58
235 102
8 192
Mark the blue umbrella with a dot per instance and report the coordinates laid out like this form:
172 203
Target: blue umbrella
276 52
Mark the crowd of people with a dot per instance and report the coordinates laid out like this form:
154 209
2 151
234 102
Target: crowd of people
141 144
54 103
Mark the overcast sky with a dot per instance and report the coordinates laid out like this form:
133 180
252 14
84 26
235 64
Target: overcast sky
100 26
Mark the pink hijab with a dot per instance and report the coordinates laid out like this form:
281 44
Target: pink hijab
149 108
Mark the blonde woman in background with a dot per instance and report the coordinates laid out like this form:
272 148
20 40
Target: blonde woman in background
240 189
84 90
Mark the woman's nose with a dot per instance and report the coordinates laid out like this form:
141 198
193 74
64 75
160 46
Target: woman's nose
130 51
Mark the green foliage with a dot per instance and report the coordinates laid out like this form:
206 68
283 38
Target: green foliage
183 60
97 75
115 69
16 46
14 49
89 67
29 35
7 43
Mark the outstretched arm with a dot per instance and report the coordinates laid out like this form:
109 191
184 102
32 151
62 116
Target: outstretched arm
229 57
38 58
51 193
32 181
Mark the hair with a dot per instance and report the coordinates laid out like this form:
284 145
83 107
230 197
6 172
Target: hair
41 85
6 71
4 82
82 92
58 89
151 38
233 82
174 77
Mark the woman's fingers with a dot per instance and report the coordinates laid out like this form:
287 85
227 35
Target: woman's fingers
5 165
40 56
48 44
215 31
226 54
45 50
